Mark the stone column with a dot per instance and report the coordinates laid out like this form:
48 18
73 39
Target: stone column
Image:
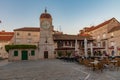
85 47
71 43
76 47
115 50
63 43
91 48
106 47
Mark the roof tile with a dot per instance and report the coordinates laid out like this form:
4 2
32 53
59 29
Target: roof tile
70 37
28 29
116 28
6 36
100 25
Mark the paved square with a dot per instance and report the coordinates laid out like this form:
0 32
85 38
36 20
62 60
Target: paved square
52 70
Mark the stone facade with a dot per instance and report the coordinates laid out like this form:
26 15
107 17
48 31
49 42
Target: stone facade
114 40
3 52
23 54
48 41
5 39
46 45
27 35
102 34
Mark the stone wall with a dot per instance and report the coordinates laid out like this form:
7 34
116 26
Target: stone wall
18 57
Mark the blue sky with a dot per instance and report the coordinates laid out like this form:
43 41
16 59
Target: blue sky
70 15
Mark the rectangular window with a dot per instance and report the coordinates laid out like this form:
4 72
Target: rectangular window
29 40
73 43
18 40
112 43
99 44
32 53
104 35
15 53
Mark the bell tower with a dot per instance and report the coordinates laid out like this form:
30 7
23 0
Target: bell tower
46 44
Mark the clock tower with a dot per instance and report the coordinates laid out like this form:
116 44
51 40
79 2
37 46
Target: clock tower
46 44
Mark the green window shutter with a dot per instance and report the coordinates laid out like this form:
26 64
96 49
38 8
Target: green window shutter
15 53
32 53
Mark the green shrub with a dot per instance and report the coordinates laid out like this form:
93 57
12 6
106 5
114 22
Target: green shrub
68 54
8 47
59 53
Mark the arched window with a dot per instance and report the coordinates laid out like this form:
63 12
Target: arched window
98 44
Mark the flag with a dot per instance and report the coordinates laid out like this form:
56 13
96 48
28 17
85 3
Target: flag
0 21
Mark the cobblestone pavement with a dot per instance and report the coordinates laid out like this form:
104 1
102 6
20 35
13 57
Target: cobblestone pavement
52 70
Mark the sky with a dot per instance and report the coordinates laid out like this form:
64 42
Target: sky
69 16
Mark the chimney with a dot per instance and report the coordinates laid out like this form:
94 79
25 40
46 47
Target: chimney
3 30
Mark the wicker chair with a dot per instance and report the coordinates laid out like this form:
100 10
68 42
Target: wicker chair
118 64
87 63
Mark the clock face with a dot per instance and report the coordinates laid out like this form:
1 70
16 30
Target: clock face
45 24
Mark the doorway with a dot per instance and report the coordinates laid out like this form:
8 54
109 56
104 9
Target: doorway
45 54
24 55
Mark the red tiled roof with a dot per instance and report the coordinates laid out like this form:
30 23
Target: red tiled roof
70 37
104 23
98 26
85 35
90 29
31 29
116 28
28 29
6 33
45 15
6 36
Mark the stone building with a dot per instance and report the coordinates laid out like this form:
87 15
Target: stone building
48 41
5 38
114 41
46 44
106 36
27 35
